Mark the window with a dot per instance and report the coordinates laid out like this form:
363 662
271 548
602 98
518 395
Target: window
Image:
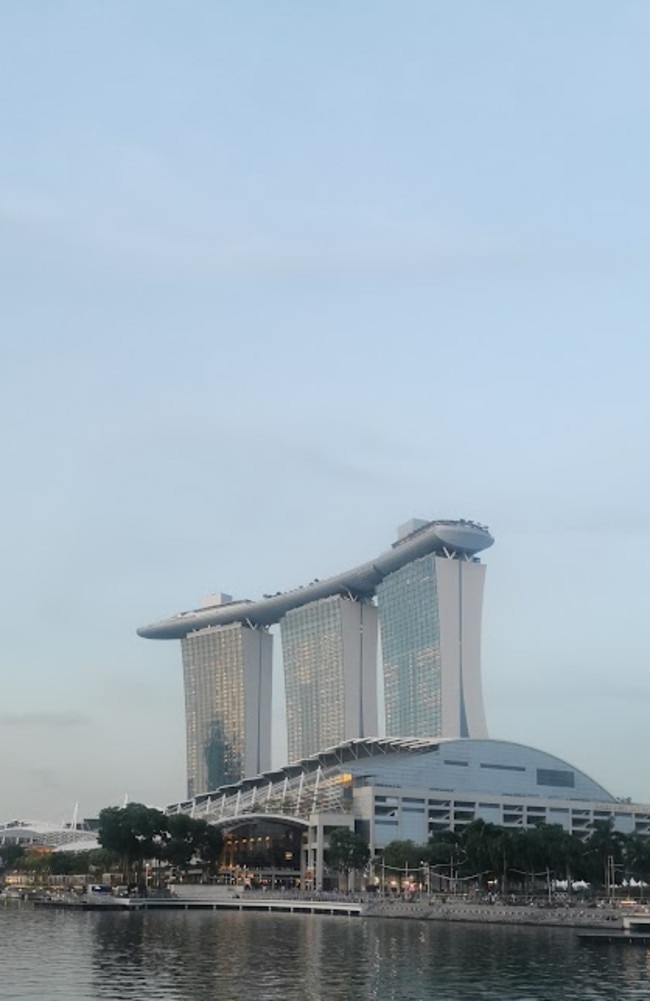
555 777
505 768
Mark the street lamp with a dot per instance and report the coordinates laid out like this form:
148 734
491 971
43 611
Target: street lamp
427 876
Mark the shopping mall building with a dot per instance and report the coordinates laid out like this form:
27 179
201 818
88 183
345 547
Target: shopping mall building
394 789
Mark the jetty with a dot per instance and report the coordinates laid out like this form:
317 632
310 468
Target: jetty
208 900
634 930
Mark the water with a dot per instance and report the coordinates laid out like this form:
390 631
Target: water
234 956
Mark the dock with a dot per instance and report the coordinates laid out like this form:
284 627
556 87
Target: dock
635 930
614 937
233 903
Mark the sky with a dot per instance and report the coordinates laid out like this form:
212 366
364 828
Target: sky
277 277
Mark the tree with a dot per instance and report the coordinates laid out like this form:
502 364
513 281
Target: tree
180 845
443 847
68 864
189 838
347 851
134 832
603 854
637 858
35 863
209 845
100 860
446 856
486 848
403 854
10 854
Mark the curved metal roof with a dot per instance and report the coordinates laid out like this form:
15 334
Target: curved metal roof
477 766
47 833
445 537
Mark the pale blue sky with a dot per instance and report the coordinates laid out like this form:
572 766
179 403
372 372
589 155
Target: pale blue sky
278 276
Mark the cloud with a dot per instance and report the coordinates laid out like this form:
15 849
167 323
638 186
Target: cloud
62 720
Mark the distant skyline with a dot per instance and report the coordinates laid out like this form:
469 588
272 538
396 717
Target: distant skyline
279 277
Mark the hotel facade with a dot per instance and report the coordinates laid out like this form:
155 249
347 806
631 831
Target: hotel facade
422 597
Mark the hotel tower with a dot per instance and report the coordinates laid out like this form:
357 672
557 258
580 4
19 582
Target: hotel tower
423 597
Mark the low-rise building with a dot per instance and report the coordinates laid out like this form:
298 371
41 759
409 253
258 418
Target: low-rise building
389 789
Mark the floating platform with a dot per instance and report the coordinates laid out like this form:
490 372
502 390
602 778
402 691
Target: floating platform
614 937
337 908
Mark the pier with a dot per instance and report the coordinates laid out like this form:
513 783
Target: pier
203 903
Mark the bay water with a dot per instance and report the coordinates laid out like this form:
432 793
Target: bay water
47 955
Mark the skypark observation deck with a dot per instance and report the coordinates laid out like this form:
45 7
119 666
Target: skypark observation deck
424 595
447 538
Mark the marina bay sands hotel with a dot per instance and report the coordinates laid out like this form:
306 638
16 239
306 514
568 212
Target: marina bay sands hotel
422 598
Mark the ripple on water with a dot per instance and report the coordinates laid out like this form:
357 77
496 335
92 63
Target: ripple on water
196 956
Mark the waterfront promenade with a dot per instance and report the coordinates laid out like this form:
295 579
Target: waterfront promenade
437 909
434 908
346 907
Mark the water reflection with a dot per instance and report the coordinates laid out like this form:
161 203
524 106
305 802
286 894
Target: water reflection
196 956
193 955
232 955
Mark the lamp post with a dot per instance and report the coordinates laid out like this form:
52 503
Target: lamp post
427 876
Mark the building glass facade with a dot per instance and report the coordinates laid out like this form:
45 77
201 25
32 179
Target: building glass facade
430 615
410 641
329 651
227 675
429 590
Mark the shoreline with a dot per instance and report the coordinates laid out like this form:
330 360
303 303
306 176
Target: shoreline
606 918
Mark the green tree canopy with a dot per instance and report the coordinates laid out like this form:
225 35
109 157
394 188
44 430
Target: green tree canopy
209 844
134 832
347 850
10 854
180 846
189 838
403 854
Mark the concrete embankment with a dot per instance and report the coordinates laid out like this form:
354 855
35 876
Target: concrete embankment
497 913
602 918
434 908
